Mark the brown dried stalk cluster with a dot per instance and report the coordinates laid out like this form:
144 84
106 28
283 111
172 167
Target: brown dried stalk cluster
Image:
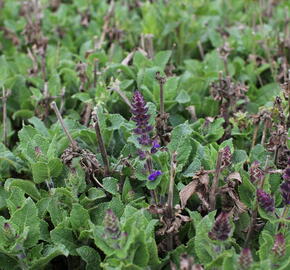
228 93
170 224
274 123
162 128
228 192
88 160
32 12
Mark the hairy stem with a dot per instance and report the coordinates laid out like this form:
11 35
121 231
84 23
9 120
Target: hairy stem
96 64
161 80
201 50
212 195
171 184
255 135
255 210
59 117
101 144
4 102
264 132
117 89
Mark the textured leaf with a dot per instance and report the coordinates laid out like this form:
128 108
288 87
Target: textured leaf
65 237
40 172
111 185
49 253
26 185
27 216
90 256
79 217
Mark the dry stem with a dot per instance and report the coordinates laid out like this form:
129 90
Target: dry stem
59 117
212 195
4 102
101 144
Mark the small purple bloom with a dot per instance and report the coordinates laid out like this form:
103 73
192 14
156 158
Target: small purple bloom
279 247
221 228
154 175
226 157
285 190
256 173
141 154
245 259
265 200
286 175
155 146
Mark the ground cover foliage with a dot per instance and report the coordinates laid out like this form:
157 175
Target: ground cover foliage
144 134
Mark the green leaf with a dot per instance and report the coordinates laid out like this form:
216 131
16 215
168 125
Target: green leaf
215 130
90 256
192 168
203 247
27 216
26 185
79 217
267 93
48 254
55 167
15 200
183 97
110 184
23 114
162 58
40 172
39 125
64 236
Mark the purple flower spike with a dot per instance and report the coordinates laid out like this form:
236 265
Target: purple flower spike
286 175
245 259
140 116
221 228
285 190
279 247
155 146
111 224
256 173
154 175
265 200
226 157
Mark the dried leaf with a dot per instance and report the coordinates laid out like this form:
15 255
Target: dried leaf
234 176
187 192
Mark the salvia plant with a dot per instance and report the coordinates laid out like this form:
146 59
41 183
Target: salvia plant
144 135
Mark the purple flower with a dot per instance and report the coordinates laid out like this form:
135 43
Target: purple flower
286 175
154 175
279 247
111 224
226 157
221 228
141 154
245 259
141 118
256 173
285 190
155 146
265 200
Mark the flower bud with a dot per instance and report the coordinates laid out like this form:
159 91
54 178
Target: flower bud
226 157
153 176
279 247
111 224
265 200
245 259
256 173
221 228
